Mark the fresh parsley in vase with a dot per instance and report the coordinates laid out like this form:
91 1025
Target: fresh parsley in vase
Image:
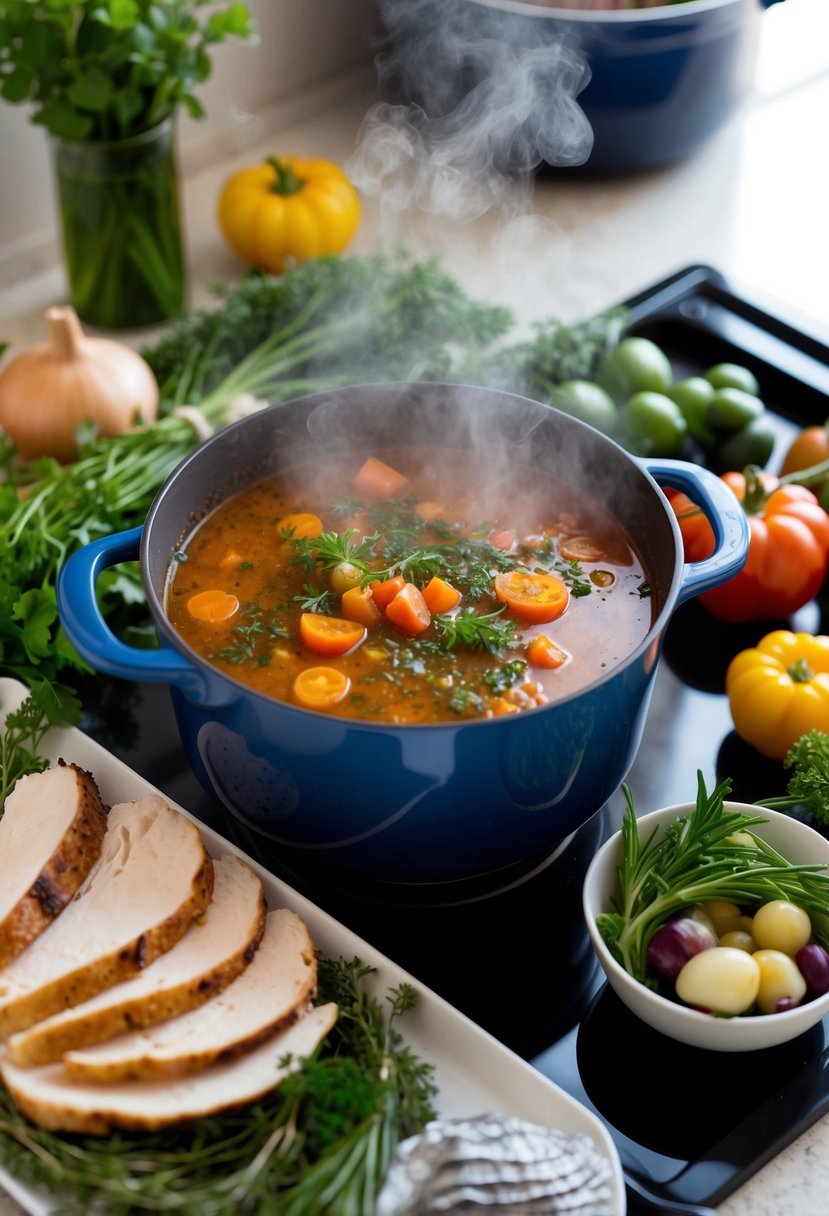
106 79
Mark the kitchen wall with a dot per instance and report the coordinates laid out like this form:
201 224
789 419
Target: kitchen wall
305 45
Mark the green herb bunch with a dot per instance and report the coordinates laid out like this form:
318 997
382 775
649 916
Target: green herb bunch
23 729
710 854
108 69
320 1145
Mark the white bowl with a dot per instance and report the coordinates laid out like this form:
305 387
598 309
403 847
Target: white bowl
796 842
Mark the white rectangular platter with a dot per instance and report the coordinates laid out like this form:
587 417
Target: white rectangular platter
473 1071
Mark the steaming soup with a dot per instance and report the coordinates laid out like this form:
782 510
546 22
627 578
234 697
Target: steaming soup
401 593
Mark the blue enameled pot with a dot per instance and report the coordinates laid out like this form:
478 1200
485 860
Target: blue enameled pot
406 804
660 81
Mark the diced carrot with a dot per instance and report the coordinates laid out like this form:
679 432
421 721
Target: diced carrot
441 596
299 525
502 538
543 652
385 590
408 610
358 604
499 708
212 606
320 687
533 597
330 634
430 511
378 480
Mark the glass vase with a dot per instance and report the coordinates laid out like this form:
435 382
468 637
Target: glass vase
121 228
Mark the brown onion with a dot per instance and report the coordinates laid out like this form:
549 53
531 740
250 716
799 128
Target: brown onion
52 388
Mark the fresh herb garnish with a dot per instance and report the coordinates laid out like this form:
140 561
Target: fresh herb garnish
809 784
45 706
479 631
709 854
321 1143
249 637
315 600
502 678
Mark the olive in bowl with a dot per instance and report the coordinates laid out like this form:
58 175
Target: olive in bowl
750 979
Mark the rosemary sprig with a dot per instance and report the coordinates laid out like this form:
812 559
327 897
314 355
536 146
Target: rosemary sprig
710 854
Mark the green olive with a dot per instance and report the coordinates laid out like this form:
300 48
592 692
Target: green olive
588 402
694 397
653 425
732 408
732 375
752 444
635 365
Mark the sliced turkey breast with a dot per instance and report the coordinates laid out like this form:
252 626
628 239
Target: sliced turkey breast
153 877
50 1099
214 951
274 991
51 835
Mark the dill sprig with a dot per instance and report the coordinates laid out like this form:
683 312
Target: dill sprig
320 1145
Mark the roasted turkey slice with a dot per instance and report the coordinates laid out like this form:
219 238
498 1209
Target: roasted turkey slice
51 835
213 952
153 877
49 1098
274 990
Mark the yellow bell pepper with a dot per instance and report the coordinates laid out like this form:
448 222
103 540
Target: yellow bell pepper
287 209
779 689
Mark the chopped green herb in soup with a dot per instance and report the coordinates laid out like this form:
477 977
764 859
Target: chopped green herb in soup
405 588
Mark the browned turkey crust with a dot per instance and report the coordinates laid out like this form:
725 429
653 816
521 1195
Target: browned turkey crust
270 994
51 835
212 953
47 1096
153 877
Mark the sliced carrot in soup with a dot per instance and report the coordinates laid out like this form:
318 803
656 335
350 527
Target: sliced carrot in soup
330 634
212 606
358 604
299 524
320 687
384 591
376 479
543 652
441 596
409 611
532 597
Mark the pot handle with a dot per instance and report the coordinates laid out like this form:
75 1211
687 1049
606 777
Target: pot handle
89 633
724 514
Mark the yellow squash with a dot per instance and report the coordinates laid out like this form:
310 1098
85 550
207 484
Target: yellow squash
287 210
779 689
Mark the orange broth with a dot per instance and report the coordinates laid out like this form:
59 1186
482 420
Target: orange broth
259 589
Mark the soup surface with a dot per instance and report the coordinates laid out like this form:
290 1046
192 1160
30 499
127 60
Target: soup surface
410 586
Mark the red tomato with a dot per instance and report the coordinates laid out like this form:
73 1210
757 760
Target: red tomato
787 554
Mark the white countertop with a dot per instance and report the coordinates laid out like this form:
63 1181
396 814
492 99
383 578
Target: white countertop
752 203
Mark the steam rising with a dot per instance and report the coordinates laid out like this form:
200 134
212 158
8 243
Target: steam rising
487 96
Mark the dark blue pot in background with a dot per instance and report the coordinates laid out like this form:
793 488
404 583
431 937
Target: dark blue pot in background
400 804
653 84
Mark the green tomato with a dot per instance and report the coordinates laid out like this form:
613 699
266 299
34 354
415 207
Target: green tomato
751 444
733 408
588 402
635 365
732 375
694 397
653 425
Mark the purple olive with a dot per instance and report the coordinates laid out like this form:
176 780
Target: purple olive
678 940
813 964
